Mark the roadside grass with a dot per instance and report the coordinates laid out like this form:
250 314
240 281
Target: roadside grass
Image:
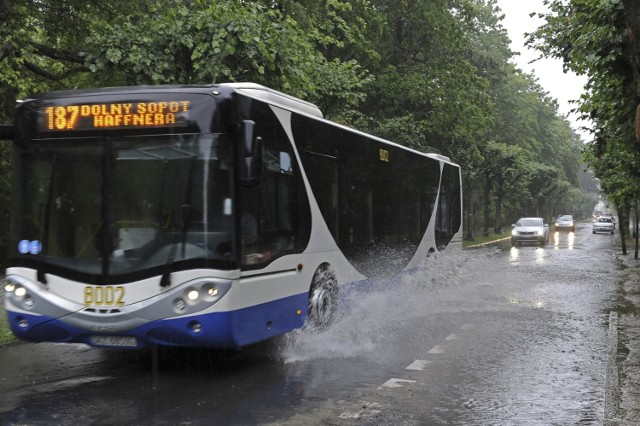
5 332
482 239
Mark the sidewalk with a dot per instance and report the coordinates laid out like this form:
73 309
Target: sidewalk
623 375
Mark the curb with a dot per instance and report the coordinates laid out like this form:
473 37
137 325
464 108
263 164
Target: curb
487 243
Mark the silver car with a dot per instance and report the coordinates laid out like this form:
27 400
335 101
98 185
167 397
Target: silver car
604 224
565 223
530 230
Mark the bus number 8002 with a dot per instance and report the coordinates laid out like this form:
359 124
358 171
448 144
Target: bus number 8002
107 295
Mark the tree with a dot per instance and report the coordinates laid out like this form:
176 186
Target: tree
434 76
600 40
505 173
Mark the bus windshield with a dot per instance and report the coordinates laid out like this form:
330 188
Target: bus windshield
123 205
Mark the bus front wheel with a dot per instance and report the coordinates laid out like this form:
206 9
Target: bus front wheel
323 298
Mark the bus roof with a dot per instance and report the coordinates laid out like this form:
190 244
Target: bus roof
275 97
251 90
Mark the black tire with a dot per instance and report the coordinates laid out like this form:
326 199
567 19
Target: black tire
323 298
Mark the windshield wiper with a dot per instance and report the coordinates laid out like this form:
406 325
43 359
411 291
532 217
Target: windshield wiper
107 244
165 281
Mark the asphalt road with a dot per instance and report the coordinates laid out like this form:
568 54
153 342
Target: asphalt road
495 335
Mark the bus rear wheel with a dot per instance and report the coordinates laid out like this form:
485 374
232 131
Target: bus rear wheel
323 298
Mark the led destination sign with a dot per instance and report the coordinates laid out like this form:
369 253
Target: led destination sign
107 116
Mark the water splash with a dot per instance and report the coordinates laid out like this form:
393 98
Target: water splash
372 313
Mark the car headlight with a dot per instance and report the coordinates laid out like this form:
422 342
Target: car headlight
514 233
539 232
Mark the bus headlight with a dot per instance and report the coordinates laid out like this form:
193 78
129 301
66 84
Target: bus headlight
211 291
21 292
19 295
192 294
199 294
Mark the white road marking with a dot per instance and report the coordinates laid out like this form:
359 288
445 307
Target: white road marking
437 349
396 383
419 364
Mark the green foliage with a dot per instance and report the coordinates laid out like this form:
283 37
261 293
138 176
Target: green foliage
596 38
5 332
204 42
435 76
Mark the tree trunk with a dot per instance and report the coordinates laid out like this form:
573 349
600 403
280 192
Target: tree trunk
623 223
498 227
634 232
632 21
469 206
485 207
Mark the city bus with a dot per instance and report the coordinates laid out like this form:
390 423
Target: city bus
207 216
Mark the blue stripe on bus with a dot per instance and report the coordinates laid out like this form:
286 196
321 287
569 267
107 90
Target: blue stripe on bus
220 329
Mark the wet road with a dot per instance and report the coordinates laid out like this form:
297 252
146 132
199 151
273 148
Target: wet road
497 335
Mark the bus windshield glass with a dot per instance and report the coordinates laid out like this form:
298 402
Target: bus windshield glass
124 205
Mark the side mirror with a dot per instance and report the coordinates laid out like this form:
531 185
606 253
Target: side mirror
250 155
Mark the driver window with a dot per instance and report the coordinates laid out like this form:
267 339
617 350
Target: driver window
267 229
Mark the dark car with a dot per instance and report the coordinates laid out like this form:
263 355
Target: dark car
530 230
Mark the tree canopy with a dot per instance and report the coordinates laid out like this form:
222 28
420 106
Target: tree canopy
599 39
433 75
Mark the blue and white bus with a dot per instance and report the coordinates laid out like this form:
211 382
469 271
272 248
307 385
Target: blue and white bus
210 216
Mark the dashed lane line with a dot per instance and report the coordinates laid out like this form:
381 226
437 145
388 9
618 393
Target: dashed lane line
396 383
419 364
437 349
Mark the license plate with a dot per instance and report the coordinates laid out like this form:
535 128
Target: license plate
118 341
